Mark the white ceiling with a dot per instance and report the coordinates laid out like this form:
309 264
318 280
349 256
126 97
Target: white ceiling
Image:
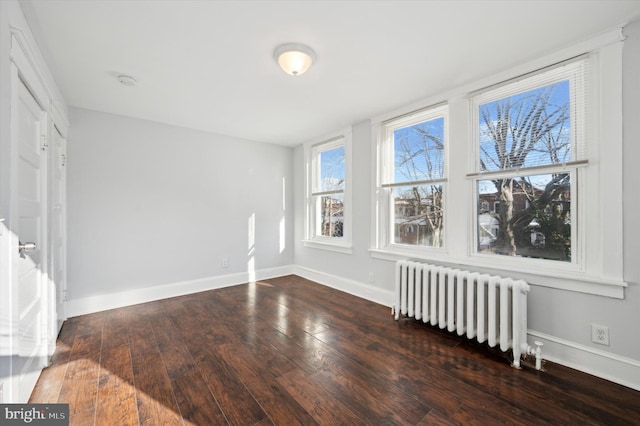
208 65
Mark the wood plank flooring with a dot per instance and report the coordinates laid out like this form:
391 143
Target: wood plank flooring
288 351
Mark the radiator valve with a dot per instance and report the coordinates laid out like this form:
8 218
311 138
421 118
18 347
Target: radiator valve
538 353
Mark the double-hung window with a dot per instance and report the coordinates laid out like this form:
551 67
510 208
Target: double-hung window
529 148
328 209
413 179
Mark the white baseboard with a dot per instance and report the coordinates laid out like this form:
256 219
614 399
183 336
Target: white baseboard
356 288
608 366
612 367
88 305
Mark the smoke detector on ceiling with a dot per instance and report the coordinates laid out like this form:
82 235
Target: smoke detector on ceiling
127 80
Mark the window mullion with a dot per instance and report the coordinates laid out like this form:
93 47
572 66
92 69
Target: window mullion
320 193
513 173
414 183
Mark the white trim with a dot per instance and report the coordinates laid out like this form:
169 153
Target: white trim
355 288
23 35
383 201
310 149
36 75
608 366
60 118
610 159
91 304
22 57
328 245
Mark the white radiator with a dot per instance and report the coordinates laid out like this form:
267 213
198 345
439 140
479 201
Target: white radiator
488 308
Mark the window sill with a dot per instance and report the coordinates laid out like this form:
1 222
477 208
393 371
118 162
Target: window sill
577 281
325 245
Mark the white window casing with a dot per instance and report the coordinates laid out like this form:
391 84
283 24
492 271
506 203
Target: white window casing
314 192
388 181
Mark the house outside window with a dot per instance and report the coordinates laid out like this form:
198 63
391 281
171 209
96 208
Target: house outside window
328 194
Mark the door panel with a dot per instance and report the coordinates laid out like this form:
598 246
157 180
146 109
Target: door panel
31 349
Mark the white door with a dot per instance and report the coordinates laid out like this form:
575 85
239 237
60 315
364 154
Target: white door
57 284
28 189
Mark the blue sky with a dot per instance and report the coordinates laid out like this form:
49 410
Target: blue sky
332 169
418 151
559 98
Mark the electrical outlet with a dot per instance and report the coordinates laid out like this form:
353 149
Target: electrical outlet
600 334
225 262
372 277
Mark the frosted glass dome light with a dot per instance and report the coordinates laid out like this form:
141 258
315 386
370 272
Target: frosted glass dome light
294 59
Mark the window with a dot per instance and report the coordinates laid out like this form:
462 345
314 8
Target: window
328 224
413 179
528 142
516 176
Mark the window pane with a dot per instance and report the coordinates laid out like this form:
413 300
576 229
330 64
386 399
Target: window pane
418 215
332 170
331 208
527 216
419 151
528 129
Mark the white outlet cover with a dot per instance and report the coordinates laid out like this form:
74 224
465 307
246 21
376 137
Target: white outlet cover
600 334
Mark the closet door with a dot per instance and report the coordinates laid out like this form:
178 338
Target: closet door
29 197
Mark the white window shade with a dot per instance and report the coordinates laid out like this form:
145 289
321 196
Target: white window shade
535 120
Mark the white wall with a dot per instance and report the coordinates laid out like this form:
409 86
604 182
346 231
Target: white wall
561 319
152 206
350 272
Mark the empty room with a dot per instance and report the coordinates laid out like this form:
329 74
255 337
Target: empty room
279 212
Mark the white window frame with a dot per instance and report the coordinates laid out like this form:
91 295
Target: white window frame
312 152
385 180
576 71
599 270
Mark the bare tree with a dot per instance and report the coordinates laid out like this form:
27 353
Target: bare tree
420 157
521 129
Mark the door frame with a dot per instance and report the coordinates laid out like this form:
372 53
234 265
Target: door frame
26 66
57 287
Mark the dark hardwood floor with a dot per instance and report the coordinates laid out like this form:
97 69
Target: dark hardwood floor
289 351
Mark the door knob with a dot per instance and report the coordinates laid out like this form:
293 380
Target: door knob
22 247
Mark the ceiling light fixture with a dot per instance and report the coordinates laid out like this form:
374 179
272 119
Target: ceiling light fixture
293 58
